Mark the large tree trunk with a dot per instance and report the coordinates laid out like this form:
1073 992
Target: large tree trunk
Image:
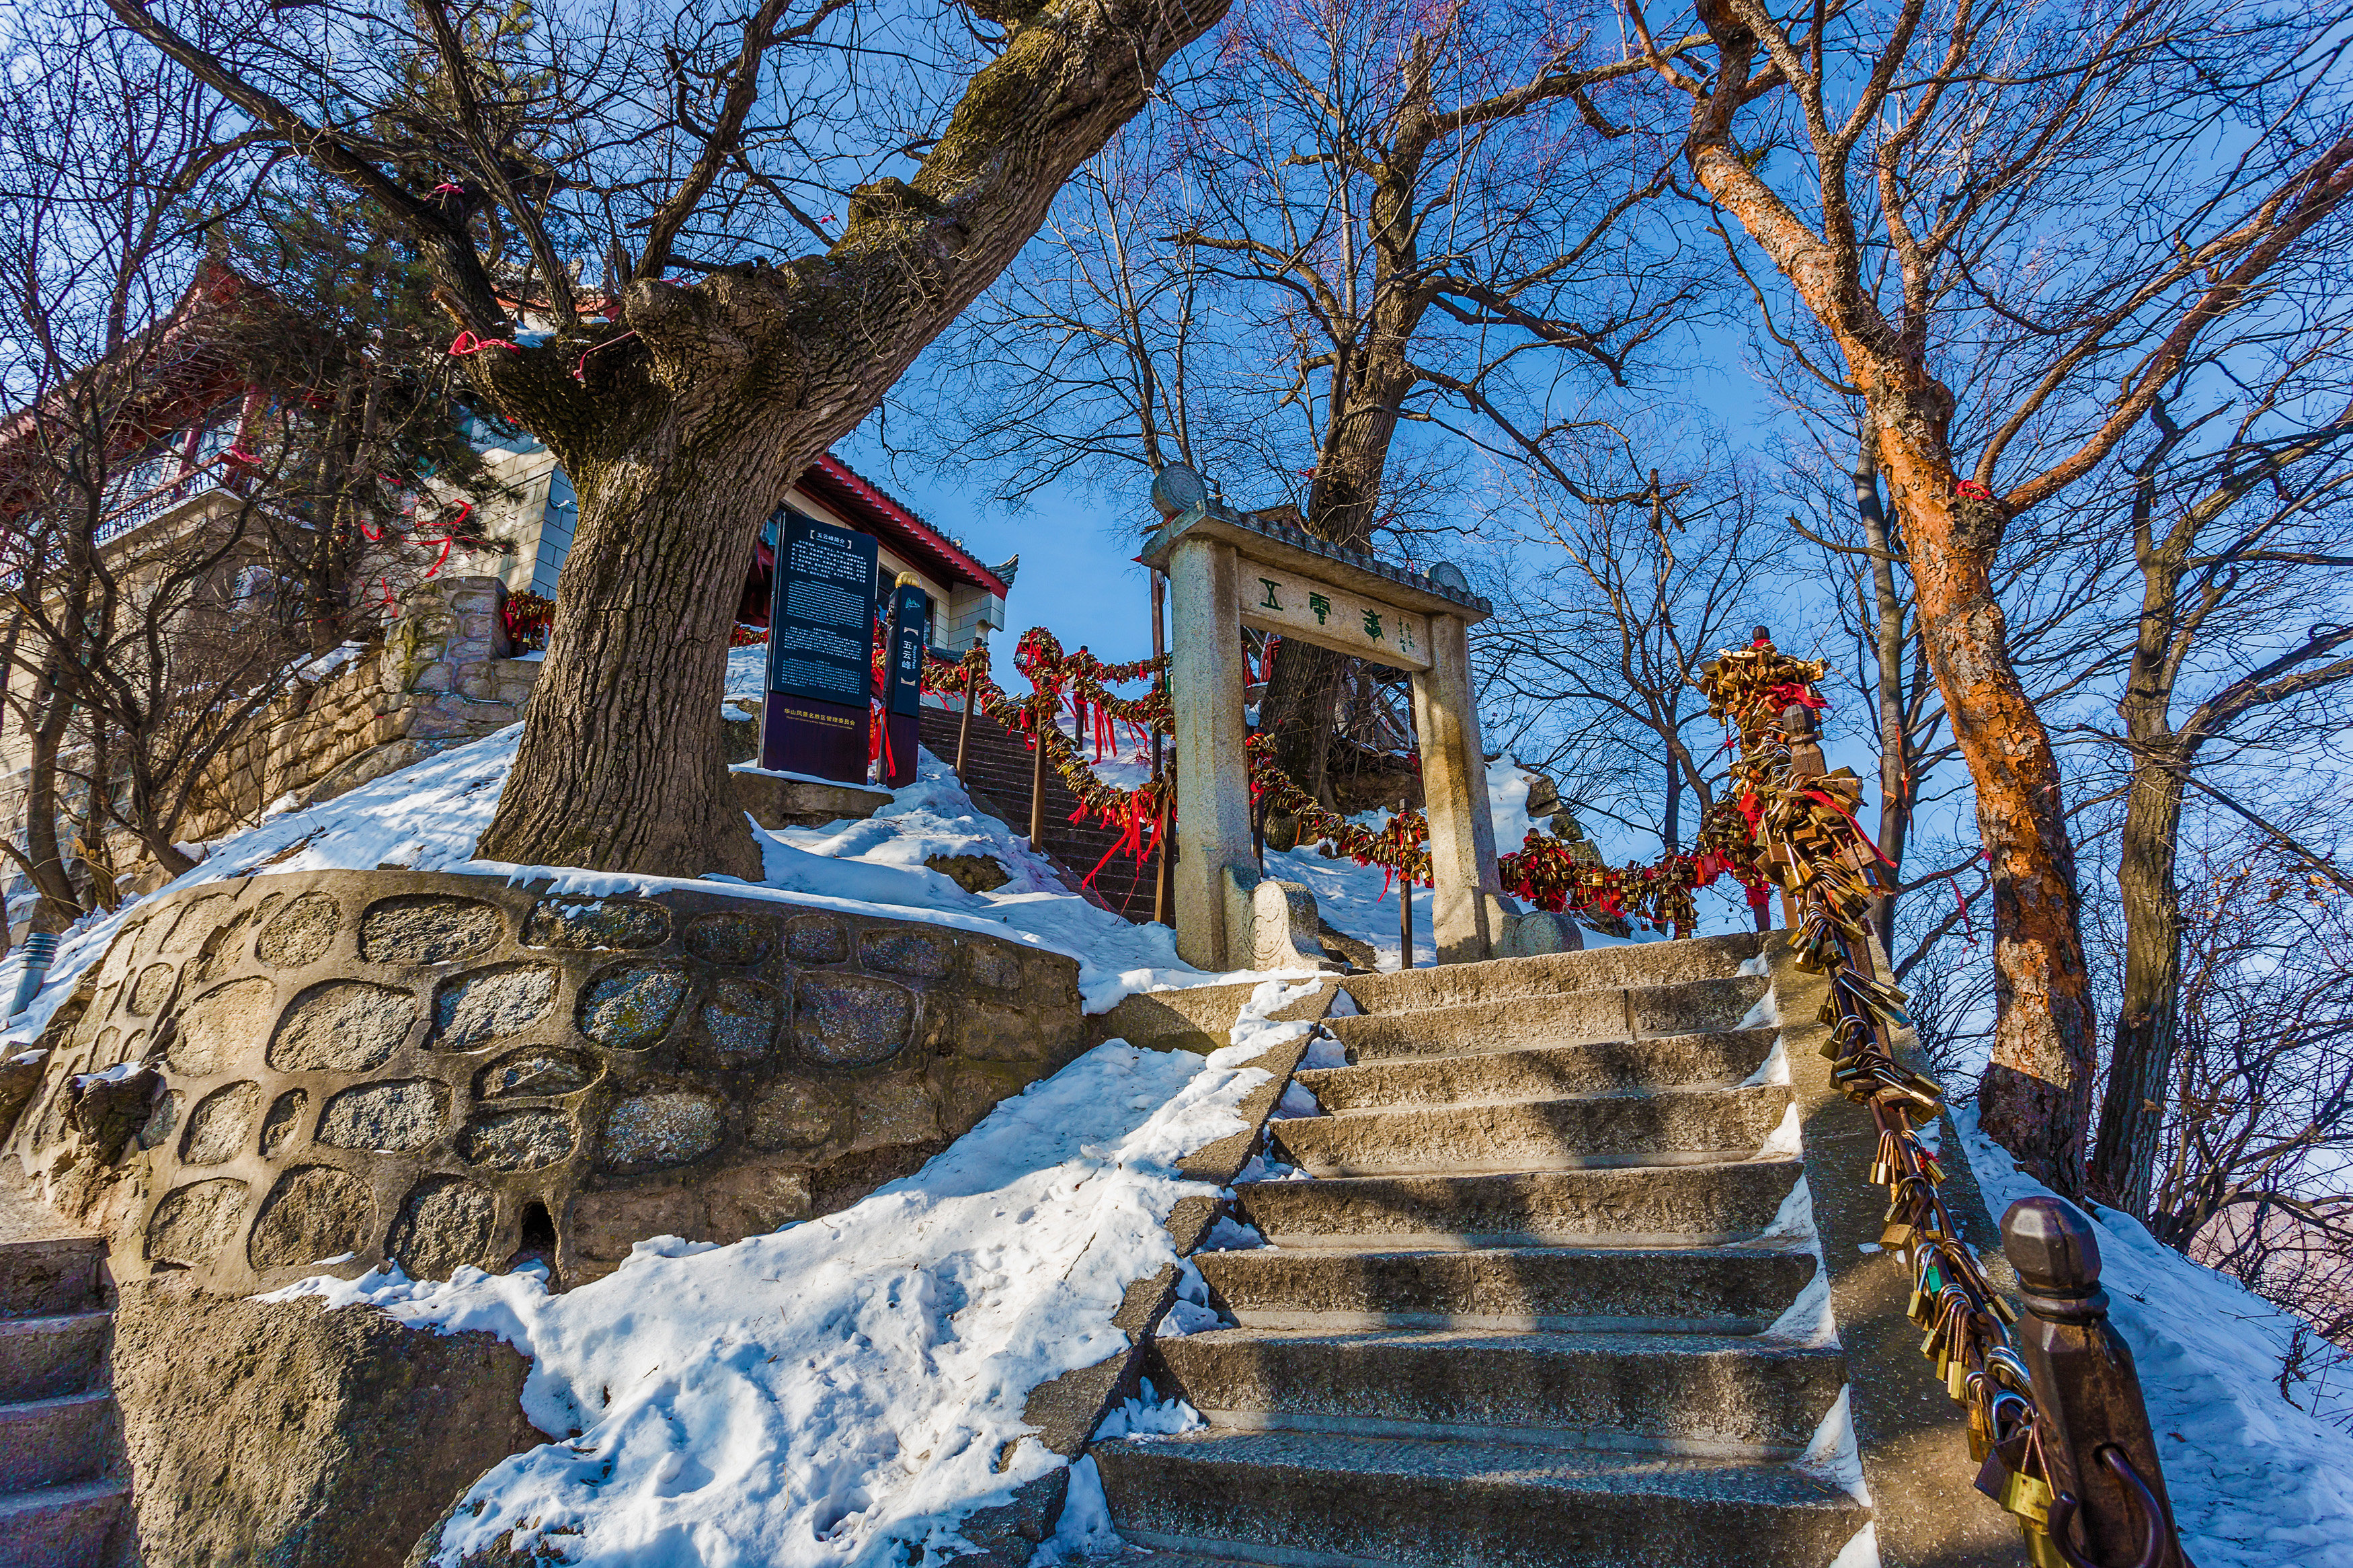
2035 1098
621 765
2132 1110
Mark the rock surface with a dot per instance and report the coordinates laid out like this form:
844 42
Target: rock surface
287 1434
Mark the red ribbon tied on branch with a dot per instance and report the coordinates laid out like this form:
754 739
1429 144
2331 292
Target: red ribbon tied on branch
1972 489
468 343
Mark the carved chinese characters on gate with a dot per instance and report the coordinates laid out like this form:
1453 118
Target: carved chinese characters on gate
1278 600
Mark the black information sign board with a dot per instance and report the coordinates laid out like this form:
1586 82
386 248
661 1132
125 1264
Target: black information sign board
820 652
821 626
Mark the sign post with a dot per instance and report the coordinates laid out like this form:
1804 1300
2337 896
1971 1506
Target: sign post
814 716
902 700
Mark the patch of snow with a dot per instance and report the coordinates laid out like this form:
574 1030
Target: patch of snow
1190 1312
1150 1416
1862 1549
1261 1169
1795 1219
1765 1015
2255 1481
1832 1458
533 656
327 663
1809 1321
121 1072
1786 1139
839 1392
1229 1235
1083 1533
1343 1005
1756 968
1774 1070
1326 1050
1298 1101
285 803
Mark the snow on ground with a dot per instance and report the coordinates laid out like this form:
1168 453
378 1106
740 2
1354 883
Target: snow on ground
2255 1482
839 1392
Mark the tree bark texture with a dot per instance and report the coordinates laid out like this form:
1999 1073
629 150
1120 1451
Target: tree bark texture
1888 641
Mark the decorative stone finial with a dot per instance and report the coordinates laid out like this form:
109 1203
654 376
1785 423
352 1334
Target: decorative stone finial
2056 1252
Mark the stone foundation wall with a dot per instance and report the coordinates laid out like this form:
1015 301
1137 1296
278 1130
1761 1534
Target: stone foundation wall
439 679
339 1068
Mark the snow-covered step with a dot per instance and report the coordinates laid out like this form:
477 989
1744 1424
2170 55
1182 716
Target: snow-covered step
1537 1072
1625 1126
1700 1205
1714 1289
1321 1500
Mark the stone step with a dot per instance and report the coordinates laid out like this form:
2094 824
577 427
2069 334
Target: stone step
1720 1394
1696 1205
1483 1026
43 1357
61 1526
47 1442
1712 1290
1600 968
1540 1072
1639 1127
52 1275
1319 1500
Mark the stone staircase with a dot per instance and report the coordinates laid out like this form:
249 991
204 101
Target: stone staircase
59 1505
998 765
1522 1314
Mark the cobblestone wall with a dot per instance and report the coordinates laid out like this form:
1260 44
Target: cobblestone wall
342 1067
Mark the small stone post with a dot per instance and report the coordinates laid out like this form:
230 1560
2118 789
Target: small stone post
1212 758
2085 1389
1454 789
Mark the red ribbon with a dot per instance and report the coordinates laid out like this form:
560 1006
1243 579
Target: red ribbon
468 343
1972 489
580 371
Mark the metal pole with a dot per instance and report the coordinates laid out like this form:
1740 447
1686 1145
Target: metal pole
964 724
1405 921
1041 713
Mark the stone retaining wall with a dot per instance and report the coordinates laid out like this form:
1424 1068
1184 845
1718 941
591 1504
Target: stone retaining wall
350 1067
439 679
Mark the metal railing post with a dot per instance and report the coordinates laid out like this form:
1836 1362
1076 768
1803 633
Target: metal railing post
2094 1432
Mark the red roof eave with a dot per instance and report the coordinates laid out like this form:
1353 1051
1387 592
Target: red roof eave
835 481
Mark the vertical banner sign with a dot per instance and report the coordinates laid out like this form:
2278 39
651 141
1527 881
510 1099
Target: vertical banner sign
902 702
820 652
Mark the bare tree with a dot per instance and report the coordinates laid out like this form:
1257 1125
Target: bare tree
2260 1113
2239 533
524 153
2019 204
1590 663
174 550
1368 215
